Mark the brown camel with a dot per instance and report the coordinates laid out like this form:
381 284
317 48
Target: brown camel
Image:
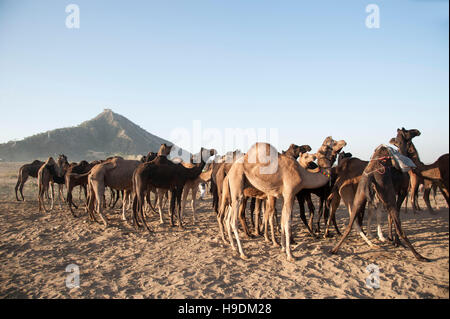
437 172
277 176
164 174
24 172
117 174
191 186
379 177
77 175
50 171
348 174
417 180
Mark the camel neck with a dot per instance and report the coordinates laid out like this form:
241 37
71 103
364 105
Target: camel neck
317 179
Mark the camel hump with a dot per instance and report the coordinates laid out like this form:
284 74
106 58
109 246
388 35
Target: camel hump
261 153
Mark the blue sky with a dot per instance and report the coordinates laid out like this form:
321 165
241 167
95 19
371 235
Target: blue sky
309 68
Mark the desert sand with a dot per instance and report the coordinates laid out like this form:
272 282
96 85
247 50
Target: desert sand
119 262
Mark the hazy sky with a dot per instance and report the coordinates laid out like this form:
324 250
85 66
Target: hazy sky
308 68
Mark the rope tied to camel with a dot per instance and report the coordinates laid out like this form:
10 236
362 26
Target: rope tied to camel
381 170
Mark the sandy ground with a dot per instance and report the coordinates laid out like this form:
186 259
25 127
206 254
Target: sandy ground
119 262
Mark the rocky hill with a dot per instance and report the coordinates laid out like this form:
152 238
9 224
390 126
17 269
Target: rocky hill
105 135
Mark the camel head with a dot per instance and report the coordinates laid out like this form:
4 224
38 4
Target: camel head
203 156
53 167
403 139
343 155
149 157
306 159
62 163
164 150
328 151
408 134
295 150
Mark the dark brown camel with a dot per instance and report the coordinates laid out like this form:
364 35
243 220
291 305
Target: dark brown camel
437 172
379 178
164 174
77 175
24 172
51 171
348 174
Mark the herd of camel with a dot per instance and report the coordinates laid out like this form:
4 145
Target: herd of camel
262 175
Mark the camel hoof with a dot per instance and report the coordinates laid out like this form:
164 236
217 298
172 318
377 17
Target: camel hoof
420 258
244 257
275 244
290 258
333 251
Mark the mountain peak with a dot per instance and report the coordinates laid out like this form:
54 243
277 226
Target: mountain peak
105 135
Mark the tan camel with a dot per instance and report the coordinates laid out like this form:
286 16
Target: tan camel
278 176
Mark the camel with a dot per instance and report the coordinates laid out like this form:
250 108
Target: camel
438 172
277 176
192 186
322 192
416 181
379 177
220 173
77 175
116 173
50 171
269 213
164 174
24 172
349 173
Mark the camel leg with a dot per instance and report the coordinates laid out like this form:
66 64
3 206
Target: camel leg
160 195
179 193
234 225
228 216
220 220
398 228
426 196
434 189
347 195
252 210
379 213
70 201
286 216
184 201
301 204
335 201
369 220
257 210
241 217
124 218
194 203
19 185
